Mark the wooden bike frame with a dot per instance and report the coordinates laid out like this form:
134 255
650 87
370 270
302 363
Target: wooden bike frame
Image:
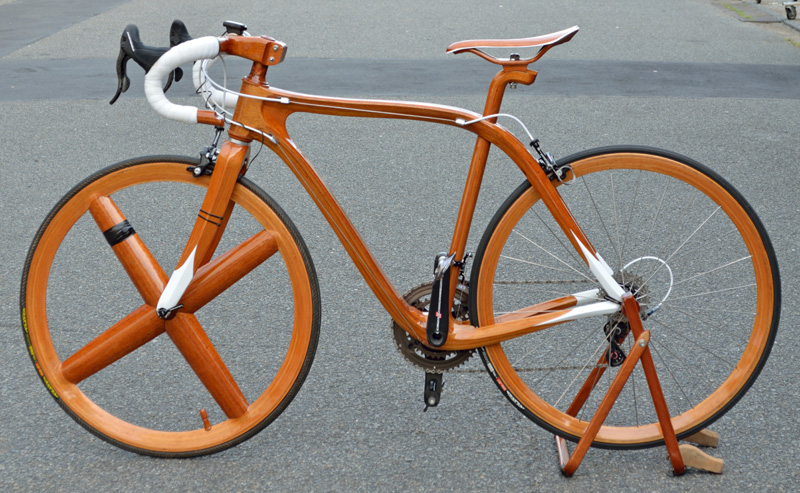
261 115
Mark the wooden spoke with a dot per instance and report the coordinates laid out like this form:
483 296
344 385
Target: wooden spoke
130 333
143 269
147 429
195 346
215 277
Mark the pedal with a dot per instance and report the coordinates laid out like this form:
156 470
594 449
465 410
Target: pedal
439 308
433 389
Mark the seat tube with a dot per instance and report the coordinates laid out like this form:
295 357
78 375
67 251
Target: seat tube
469 199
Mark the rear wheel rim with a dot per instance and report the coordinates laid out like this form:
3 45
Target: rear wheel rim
634 431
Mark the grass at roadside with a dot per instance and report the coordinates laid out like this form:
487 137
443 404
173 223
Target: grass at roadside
738 12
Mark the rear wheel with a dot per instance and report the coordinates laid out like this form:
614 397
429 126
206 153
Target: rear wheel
679 237
233 357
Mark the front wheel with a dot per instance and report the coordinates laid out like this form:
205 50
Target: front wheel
211 377
684 242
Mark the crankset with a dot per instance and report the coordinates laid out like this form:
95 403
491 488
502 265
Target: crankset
420 354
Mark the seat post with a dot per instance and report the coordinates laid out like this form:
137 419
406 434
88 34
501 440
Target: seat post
511 74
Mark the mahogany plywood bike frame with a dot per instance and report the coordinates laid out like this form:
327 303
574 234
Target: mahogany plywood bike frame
260 115
269 115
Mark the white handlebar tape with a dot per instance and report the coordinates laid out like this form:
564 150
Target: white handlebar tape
196 49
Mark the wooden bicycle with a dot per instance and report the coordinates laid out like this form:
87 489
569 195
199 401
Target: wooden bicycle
688 283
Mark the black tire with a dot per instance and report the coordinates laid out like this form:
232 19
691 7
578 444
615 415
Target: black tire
149 401
707 353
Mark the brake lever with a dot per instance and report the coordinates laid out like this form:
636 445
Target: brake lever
123 82
132 48
178 34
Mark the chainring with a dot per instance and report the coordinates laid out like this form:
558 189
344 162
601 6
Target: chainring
420 355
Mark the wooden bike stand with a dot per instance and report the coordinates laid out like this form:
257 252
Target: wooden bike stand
680 456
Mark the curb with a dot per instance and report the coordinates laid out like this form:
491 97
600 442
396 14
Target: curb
793 24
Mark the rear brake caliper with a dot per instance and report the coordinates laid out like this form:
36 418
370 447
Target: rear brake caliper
549 165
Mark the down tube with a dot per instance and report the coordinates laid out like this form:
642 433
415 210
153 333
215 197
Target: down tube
408 317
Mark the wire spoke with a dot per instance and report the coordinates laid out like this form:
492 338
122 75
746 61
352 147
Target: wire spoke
672 234
669 370
702 247
682 335
559 239
567 355
536 264
632 209
712 270
554 256
593 357
616 222
599 216
706 293
654 223
713 310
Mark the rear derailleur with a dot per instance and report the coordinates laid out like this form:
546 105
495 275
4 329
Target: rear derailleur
616 330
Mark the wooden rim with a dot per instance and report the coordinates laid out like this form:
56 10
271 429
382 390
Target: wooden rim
49 363
726 393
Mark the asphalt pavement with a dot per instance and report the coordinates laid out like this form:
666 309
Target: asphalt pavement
695 76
